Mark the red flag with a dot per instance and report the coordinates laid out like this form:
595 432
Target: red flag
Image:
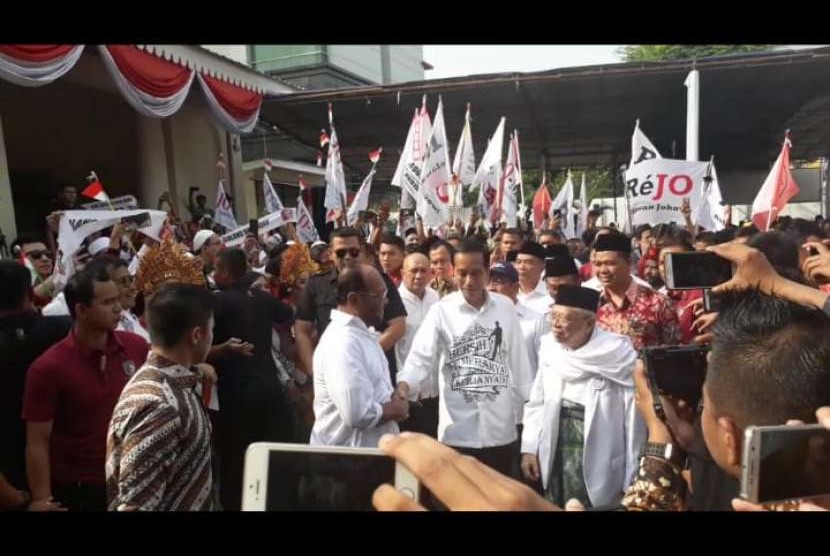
541 203
324 138
303 184
777 190
374 156
268 164
95 189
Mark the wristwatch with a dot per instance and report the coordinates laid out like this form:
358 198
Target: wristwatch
669 452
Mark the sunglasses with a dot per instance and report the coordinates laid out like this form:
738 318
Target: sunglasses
39 253
354 252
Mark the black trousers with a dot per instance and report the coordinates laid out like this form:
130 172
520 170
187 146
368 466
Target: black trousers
500 458
80 496
246 417
423 418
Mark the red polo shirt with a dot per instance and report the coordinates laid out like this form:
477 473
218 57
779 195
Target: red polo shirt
77 388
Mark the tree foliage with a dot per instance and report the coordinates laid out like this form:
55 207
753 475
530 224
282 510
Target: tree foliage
660 52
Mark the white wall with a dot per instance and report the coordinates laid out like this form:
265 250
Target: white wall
7 223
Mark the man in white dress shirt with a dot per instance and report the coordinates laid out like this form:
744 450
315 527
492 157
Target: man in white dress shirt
471 343
353 393
418 298
530 263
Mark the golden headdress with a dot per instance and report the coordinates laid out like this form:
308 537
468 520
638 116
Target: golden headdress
295 261
165 263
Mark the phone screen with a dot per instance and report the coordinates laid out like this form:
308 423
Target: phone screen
305 481
697 270
678 371
794 462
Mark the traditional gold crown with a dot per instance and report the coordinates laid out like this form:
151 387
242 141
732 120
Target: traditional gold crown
295 261
166 263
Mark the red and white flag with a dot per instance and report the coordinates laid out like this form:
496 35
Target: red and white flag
95 189
223 211
268 164
324 138
777 190
374 156
541 203
303 184
320 159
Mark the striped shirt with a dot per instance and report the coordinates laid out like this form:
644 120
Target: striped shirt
158 446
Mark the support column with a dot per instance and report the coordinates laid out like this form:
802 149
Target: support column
7 218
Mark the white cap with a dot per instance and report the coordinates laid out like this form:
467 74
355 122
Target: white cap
316 243
100 244
200 238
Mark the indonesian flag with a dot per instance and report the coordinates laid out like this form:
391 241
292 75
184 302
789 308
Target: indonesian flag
268 164
374 156
95 189
320 159
541 203
324 138
303 183
361 199
778 189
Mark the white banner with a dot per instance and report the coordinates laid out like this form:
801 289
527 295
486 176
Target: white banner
266 224
76 225
125 202
656 188
564 203
511 184
464 164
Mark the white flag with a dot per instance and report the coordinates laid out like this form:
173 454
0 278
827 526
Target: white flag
269 194
361 198
489 173
306 231
406 154
583 208
641 148
223 212
335 177
433 196
464 163
709 213
510 183
564 203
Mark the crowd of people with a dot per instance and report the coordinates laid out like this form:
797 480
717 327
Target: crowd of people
505 362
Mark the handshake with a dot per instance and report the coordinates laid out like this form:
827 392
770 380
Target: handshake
397 408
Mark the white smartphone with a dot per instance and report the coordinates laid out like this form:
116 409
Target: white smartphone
299 477
782 463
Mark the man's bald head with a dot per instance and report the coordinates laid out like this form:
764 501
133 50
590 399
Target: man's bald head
416 273
362 292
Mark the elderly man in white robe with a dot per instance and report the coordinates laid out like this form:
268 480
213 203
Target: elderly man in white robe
582 433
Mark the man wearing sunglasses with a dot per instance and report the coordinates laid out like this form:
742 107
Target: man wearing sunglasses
33 252
320 298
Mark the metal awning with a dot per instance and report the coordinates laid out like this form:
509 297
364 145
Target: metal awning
582 116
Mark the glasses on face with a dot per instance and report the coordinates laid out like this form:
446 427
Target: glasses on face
39 254
353 252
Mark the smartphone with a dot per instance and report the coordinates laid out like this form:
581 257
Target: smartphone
299 477
136 222
785 463
711 302
253 226
676 371
696 270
